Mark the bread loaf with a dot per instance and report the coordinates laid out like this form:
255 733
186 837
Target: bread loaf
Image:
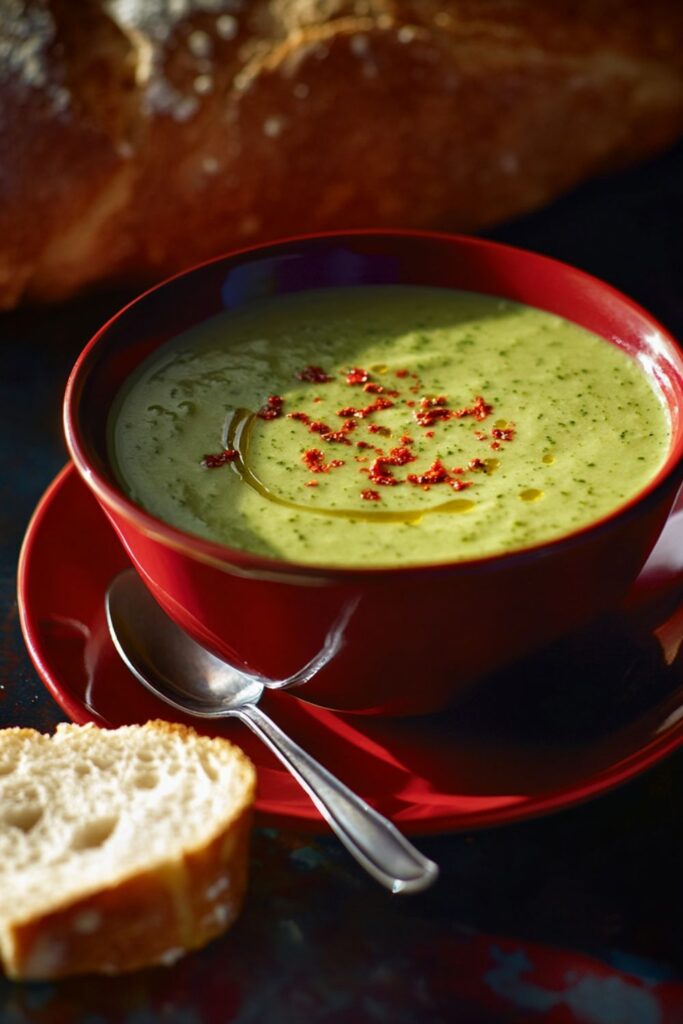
140 136
118 848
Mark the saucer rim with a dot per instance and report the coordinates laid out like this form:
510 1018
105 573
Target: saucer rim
306 817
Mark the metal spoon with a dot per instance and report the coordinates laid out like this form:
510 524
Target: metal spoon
185 675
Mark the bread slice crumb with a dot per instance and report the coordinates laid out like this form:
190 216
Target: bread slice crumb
119 848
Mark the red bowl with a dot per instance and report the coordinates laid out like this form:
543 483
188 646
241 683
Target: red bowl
382 641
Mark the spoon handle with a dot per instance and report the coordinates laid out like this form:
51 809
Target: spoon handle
376 844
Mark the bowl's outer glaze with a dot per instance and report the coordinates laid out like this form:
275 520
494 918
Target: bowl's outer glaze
396 641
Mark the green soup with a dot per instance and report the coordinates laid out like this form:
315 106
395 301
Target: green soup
386 425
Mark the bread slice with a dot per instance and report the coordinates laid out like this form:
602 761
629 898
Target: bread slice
118 848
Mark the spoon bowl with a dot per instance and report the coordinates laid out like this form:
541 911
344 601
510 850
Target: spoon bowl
189 678
167 660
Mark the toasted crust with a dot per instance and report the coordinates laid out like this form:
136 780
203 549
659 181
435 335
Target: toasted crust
151 918
139 138
146 917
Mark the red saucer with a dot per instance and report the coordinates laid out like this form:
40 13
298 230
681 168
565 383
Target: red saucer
574 721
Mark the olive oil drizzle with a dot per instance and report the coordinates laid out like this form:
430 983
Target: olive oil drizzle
238 430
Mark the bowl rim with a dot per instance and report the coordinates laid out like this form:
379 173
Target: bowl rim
249 564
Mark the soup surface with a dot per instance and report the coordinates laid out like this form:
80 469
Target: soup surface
386 425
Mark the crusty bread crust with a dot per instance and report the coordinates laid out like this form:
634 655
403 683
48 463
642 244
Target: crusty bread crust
138 137
150 917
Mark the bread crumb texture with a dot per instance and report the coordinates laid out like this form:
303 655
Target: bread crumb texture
118 848
142 136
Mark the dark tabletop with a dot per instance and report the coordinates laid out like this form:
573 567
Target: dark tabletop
571 917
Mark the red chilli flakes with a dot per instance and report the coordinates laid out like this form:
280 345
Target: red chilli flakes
221 459
430 410
433 409
479 409
378 389
503 435
314 460
357 376
380 473
400 456
350 411
313 375
272 409
438 474
326 432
